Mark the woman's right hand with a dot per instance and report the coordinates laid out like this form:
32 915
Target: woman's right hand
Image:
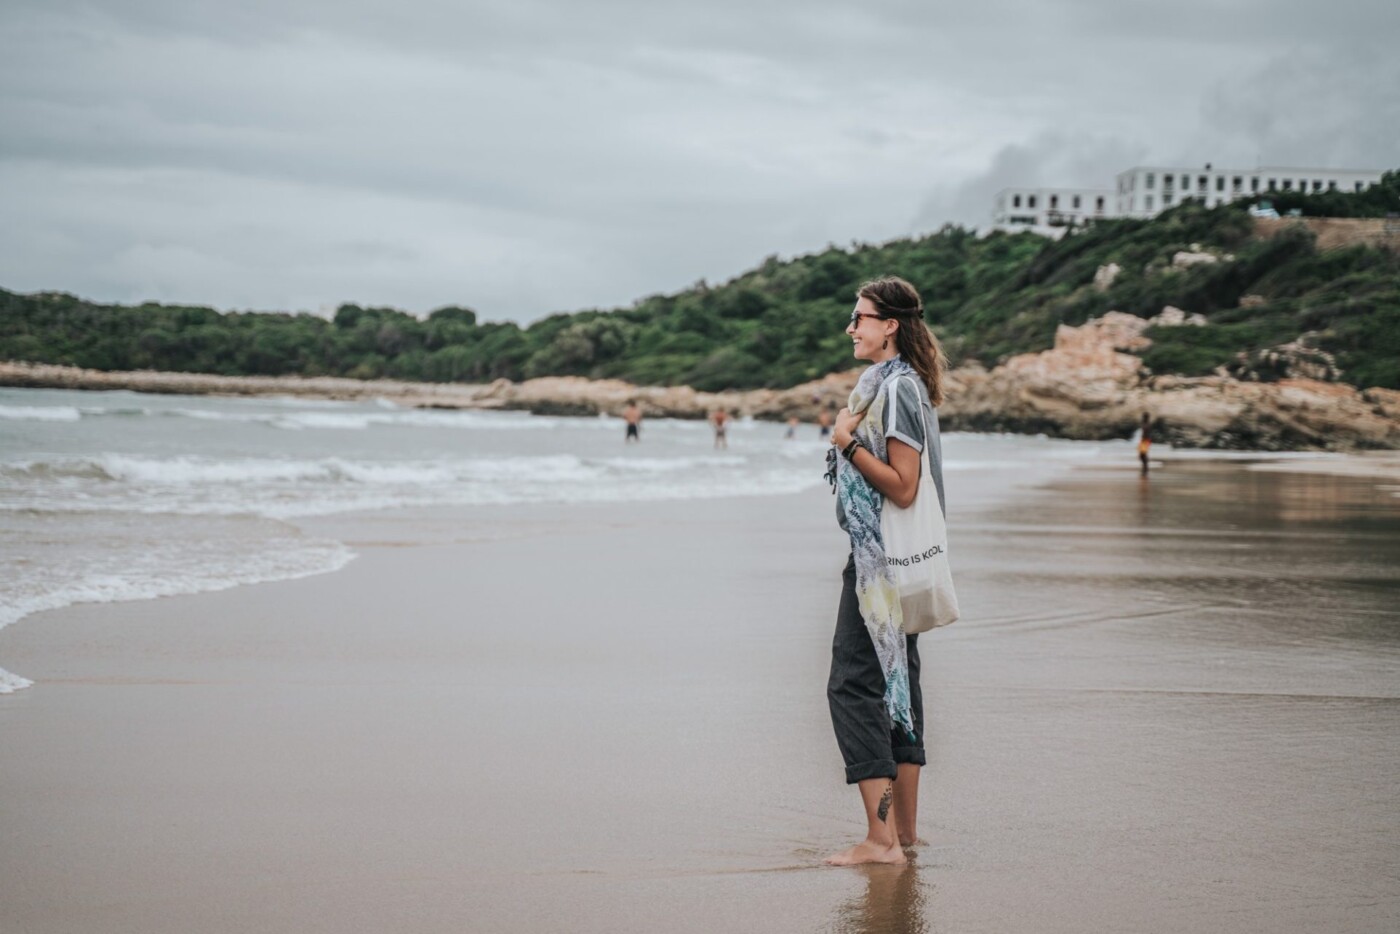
846 424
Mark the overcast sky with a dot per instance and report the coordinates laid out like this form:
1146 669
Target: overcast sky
527 157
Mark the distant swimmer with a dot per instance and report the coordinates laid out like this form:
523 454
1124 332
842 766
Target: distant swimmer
1145 441
720 419
633 415
824 420
792 428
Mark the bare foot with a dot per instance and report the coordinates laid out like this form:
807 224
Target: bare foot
866 852
909 842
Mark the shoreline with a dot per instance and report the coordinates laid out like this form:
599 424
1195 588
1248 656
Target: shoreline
1082 389
342 551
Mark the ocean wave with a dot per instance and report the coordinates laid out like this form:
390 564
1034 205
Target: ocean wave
40 413
170 569
389 416
669 464
287 488
9 683
182 570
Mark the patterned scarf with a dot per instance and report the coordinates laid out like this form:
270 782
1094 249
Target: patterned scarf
860 504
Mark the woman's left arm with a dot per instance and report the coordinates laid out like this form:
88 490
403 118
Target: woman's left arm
899 479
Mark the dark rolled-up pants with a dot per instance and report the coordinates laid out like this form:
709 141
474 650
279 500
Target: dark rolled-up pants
870 744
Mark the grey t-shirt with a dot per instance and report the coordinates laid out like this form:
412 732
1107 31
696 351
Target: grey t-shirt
910 418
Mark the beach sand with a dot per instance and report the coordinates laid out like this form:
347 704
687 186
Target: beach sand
1172 706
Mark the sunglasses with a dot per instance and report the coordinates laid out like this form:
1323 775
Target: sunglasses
856 316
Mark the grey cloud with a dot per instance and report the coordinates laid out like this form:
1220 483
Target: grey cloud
537 156
1306 108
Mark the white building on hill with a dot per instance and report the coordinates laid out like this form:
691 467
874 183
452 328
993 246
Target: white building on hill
1050 211
1146 191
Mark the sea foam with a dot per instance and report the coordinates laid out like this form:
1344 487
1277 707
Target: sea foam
40 413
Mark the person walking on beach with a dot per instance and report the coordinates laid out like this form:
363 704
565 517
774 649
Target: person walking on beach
1145 441
873 690
720 419
633 417
792 424
824 420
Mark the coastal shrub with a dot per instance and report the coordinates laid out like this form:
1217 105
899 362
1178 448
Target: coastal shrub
1198 351
726 368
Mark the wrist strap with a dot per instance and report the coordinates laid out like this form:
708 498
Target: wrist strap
849 450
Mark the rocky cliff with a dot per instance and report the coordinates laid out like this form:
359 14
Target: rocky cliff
1089 385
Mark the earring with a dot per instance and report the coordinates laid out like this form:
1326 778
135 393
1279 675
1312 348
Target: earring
886 344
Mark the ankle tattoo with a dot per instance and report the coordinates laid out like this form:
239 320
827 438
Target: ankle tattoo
886 800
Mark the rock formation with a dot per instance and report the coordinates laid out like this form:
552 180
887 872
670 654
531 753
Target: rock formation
1086 386
1104 276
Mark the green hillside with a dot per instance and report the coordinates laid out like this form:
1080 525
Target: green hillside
782 322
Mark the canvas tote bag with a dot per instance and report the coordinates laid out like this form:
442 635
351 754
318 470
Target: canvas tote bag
916 549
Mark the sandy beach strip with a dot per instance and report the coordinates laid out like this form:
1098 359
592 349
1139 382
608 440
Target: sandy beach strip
1172 707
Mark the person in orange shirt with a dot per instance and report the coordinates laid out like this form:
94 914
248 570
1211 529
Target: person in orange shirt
1145 441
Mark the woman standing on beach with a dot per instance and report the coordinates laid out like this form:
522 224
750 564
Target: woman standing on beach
876 703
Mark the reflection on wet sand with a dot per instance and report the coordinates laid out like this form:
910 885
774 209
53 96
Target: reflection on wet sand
893 902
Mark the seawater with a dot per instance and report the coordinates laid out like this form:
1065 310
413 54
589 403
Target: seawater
108 496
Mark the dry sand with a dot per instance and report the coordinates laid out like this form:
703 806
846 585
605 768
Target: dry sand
1173 706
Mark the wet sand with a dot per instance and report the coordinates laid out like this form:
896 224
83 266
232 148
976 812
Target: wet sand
1172 706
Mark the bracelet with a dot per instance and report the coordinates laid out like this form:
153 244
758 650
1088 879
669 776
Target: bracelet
849 450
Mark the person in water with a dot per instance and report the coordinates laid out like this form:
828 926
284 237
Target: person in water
824 419
720 419
1145 441
633 416
873 690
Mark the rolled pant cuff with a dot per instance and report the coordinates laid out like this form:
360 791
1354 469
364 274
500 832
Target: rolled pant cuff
910 755
875 768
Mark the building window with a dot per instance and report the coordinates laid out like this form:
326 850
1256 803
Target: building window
1098 206
1273 184
1288 184
1236 183
1360 186
1030 201
1332 185
1021 219
1076 202
1149 202
1254 183
1166 199
1015 201
1185 182
1151 179
1054 201
1168 181
1219 183
1317 184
